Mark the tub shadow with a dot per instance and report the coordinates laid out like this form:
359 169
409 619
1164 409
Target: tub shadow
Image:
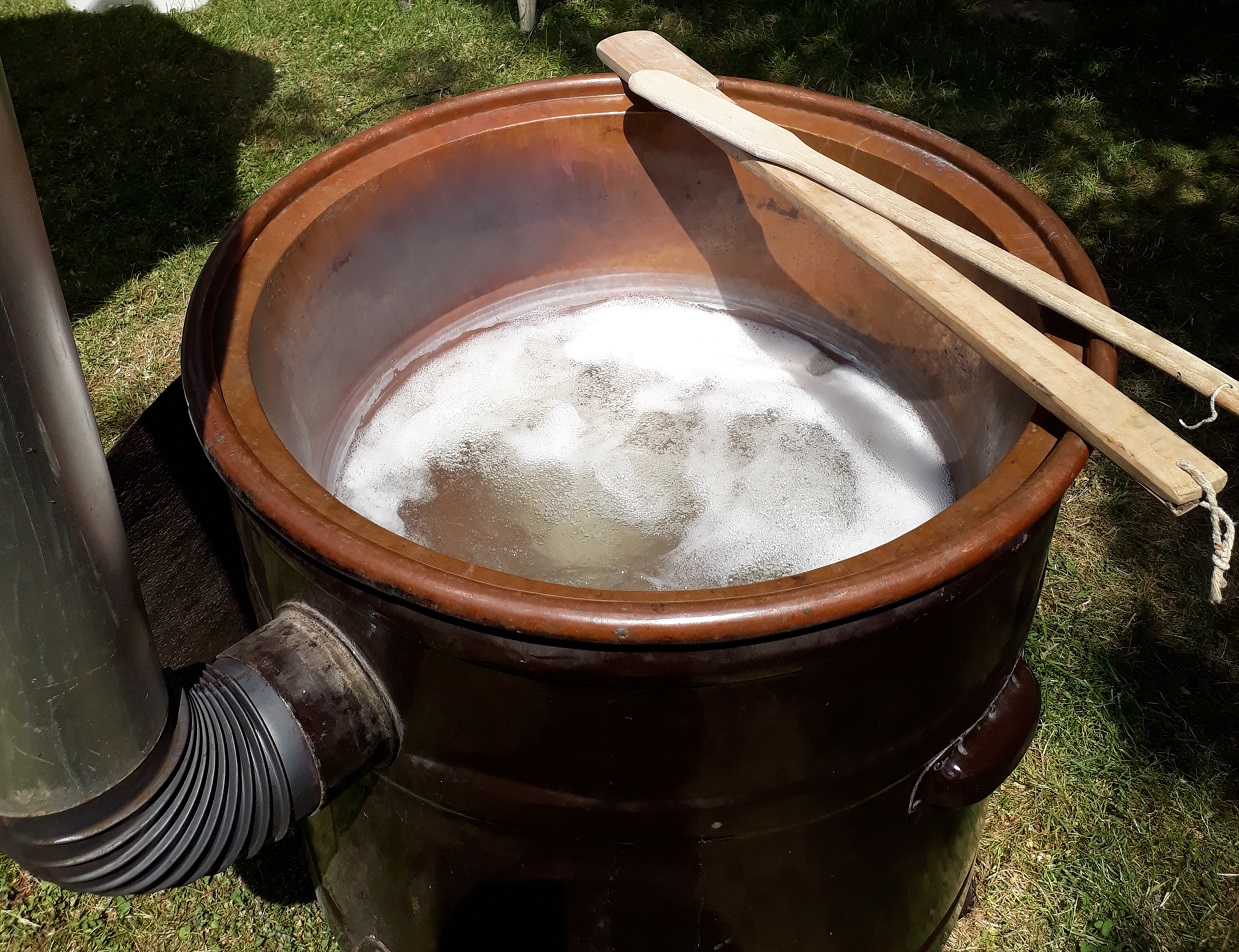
280 873
178 520
1178 695
1174 668
131 125
1181 704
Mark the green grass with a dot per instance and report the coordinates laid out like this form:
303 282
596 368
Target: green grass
1120 831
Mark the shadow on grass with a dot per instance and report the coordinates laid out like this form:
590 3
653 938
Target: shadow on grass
131 126
1173 666
1180 702
280 873
1165 660
1176 673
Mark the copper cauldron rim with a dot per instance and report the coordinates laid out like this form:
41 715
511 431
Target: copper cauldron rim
994 516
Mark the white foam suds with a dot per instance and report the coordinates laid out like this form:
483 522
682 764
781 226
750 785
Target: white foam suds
643 443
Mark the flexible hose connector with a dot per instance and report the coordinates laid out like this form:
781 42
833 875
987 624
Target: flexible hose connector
216 792
232 770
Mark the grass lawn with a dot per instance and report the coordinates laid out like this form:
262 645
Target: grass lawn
1120 831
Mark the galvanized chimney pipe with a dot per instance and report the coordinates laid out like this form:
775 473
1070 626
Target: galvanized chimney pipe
117 777
82 700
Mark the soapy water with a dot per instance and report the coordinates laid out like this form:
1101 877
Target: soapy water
642 443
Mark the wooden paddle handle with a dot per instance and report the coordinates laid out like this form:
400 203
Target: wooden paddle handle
1103 416
1137 441
627 53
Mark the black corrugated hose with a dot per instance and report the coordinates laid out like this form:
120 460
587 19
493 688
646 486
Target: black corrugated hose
240 760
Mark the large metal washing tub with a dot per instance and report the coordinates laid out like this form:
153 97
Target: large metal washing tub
761 768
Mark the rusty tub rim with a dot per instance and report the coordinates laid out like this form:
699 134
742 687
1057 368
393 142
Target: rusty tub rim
997 514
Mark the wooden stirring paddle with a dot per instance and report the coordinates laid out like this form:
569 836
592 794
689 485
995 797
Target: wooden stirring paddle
627 53
1139 443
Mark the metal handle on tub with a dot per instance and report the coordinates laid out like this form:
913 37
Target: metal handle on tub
978 762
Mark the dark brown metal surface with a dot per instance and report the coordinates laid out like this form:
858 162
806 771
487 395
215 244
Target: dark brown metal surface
599 771
608 796
984 757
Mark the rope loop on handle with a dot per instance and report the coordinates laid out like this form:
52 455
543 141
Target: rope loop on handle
1212 412
1222 525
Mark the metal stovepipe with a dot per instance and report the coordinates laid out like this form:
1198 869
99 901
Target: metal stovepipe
116 777
82 697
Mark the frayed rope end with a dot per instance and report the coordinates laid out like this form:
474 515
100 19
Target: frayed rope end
1223 529
1212 412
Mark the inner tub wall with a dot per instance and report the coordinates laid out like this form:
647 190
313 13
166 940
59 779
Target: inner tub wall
640 193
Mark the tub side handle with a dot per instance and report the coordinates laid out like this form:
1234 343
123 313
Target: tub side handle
973 767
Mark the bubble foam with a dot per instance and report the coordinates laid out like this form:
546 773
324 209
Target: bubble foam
643 443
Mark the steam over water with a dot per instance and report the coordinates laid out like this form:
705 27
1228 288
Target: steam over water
643 443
